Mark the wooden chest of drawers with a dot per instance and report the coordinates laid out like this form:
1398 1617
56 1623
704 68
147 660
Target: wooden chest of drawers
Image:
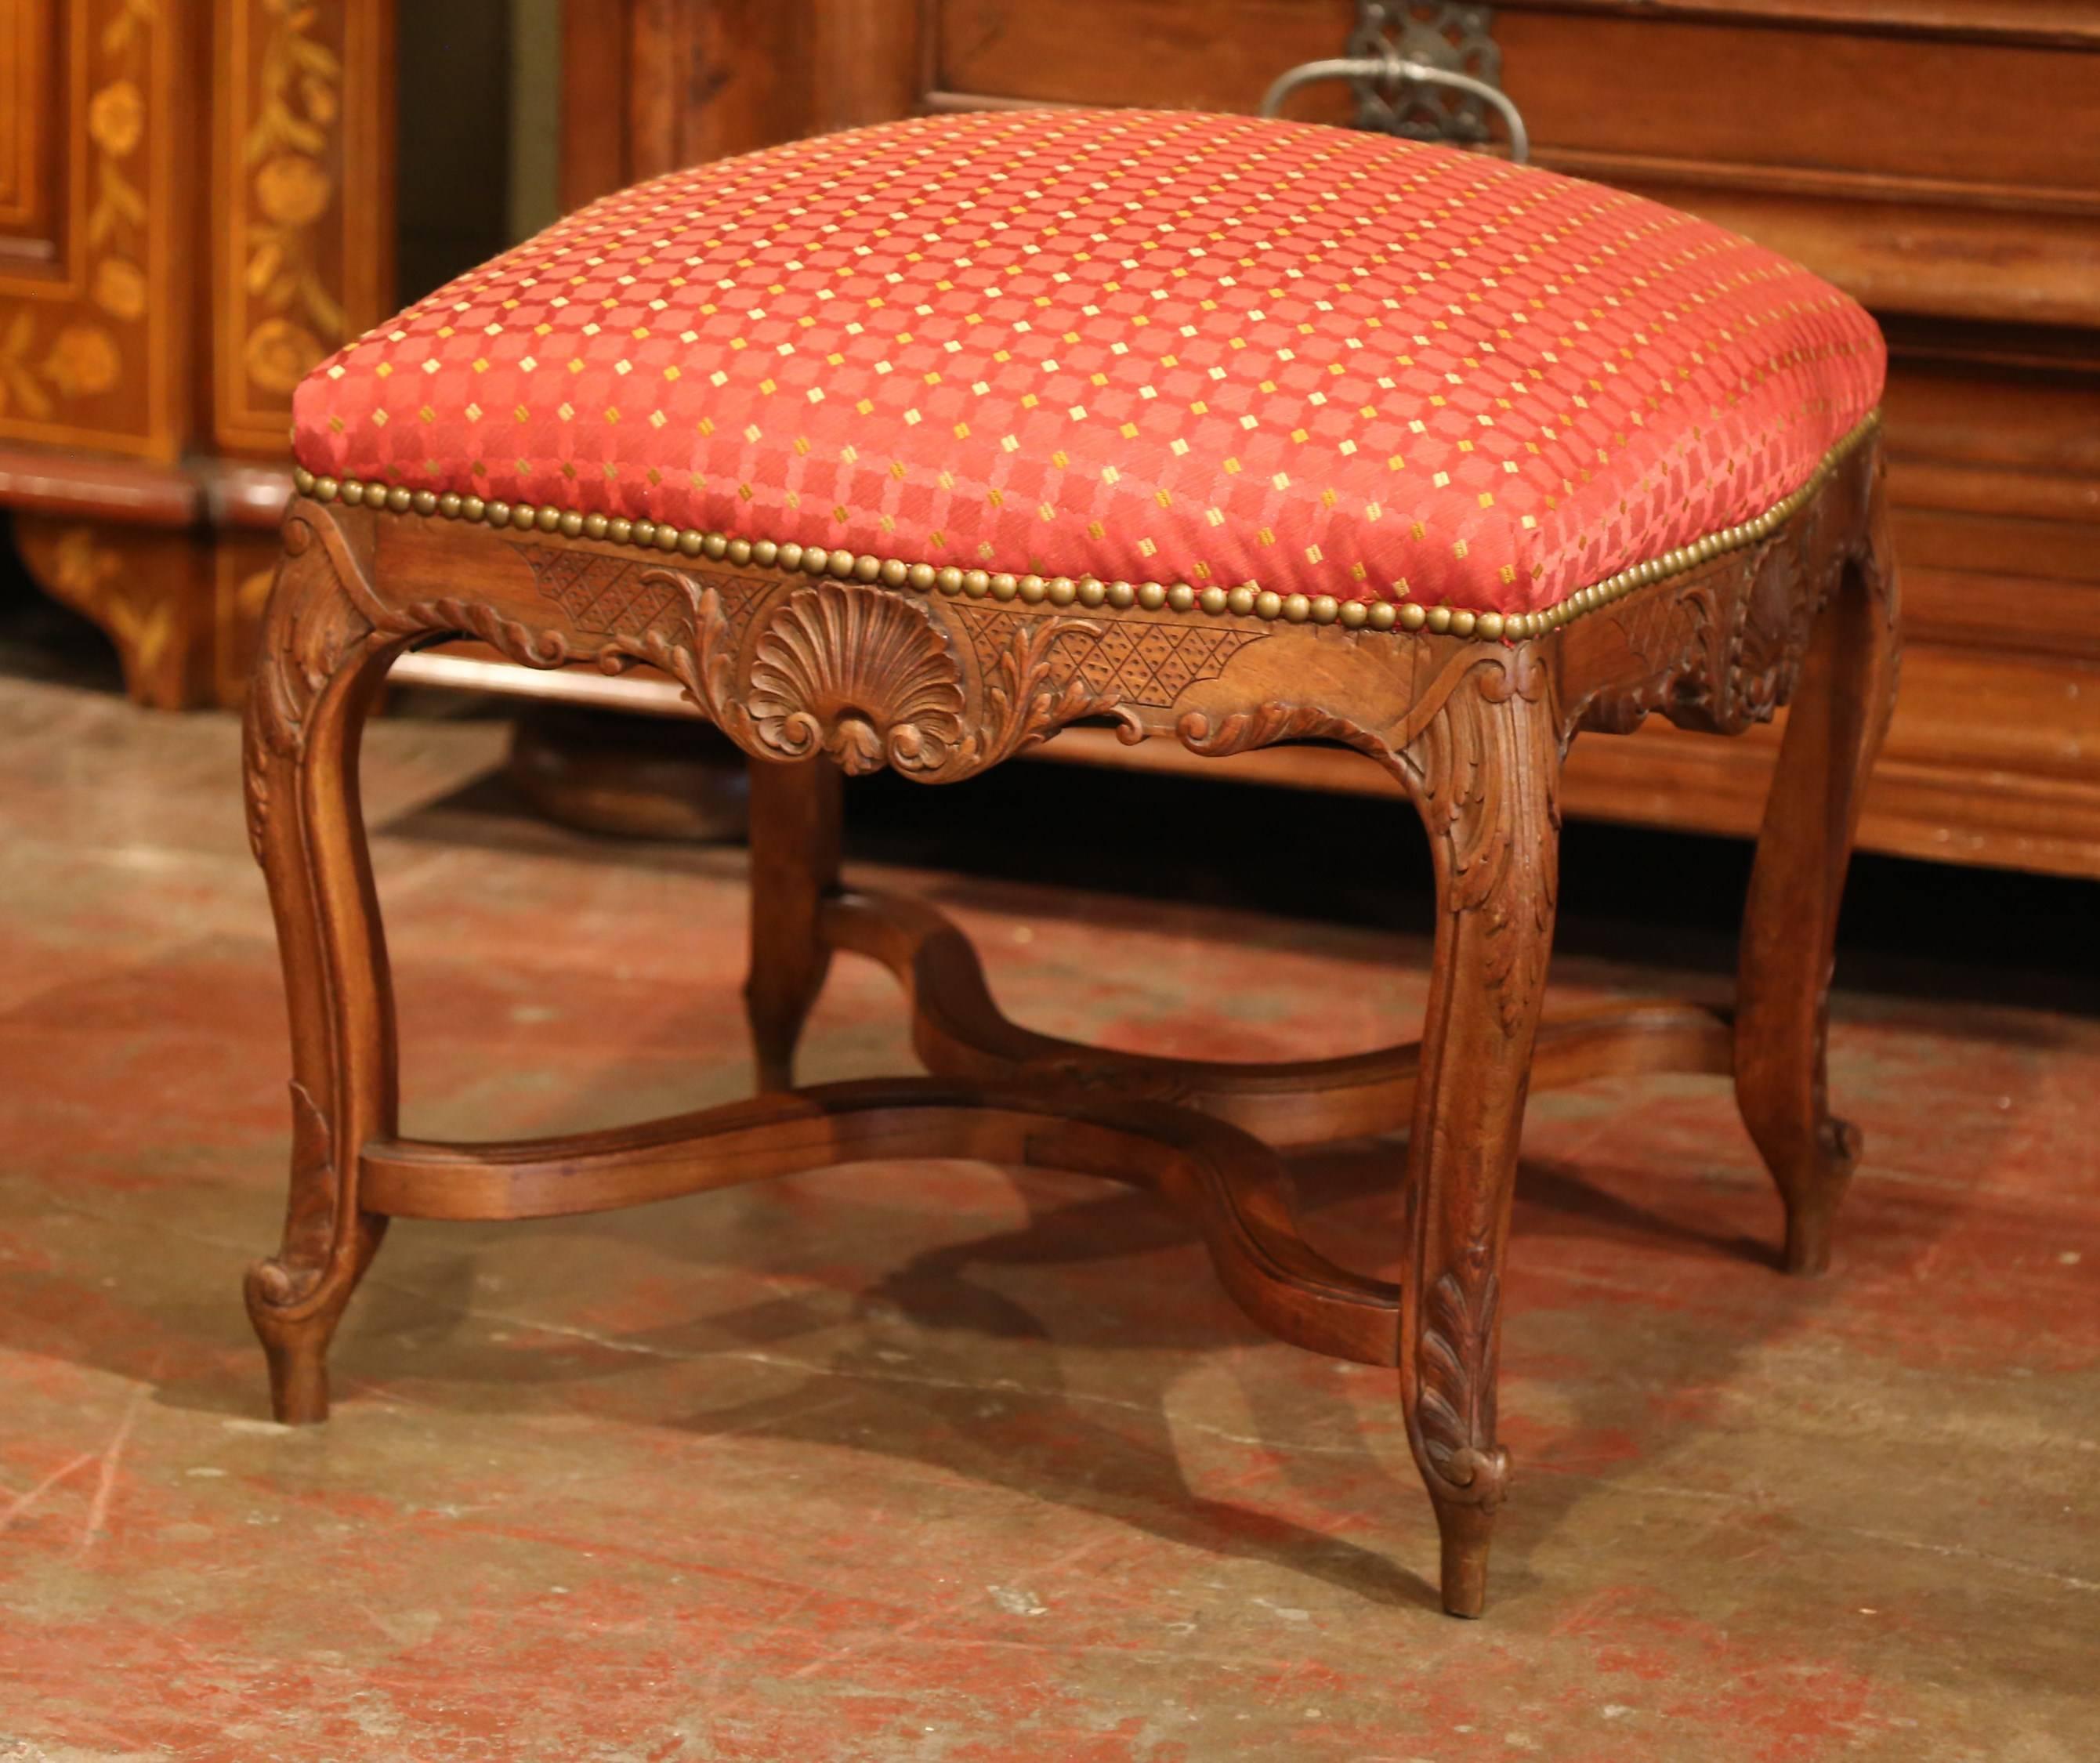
166 261
1939 158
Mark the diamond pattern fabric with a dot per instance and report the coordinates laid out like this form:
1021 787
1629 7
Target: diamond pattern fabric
1144 346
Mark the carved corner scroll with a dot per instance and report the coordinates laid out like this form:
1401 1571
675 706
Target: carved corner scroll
1477 750
312 628
1485 773
1722 647
325 616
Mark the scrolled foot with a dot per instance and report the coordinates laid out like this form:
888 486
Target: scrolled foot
1812 1205
295 1331
1466 1523
298 1376
776 1062
295 1310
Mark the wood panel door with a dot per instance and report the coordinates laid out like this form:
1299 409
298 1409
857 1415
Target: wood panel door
195 209
93 305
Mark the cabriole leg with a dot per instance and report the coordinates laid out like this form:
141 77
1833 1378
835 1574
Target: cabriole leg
796 812
318 668
1840 710
1484 775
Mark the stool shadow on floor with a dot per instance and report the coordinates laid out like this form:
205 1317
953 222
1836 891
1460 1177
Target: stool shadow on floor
891 1389
925 1374
1048 1440
188 1339
1112 1454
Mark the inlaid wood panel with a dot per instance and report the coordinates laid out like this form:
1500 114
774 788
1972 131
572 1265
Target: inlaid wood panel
301 95
89 352
195 204
29 155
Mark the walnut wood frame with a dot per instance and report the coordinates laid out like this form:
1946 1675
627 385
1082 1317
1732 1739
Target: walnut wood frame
815 677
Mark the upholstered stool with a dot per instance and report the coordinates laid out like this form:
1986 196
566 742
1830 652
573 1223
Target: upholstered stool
912 445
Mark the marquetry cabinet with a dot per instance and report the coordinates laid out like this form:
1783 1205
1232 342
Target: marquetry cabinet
1939 158
194 209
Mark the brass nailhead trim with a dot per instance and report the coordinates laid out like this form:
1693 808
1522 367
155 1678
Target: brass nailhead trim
1247 600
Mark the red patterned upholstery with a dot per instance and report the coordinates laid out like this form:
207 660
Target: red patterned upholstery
1143 346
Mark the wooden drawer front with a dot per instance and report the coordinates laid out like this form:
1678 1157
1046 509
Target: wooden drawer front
1864 102
1994 475
183 184
1924 174
1933 157
1208 54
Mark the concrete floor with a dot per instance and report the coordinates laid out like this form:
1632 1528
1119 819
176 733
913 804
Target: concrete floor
938 1464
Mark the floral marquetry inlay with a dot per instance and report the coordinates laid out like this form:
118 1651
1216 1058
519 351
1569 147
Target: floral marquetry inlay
83 358
301 265
295 316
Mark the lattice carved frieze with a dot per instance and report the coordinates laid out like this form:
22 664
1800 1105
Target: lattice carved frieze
1149 664
603 594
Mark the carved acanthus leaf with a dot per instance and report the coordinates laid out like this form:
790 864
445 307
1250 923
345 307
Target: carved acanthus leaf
1455 1368
1768 640
312 628
1244 730
1029 695
1485 773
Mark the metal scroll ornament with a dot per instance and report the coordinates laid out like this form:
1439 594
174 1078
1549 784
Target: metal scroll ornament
1428 72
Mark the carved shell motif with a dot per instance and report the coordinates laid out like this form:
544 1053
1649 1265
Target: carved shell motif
860 673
